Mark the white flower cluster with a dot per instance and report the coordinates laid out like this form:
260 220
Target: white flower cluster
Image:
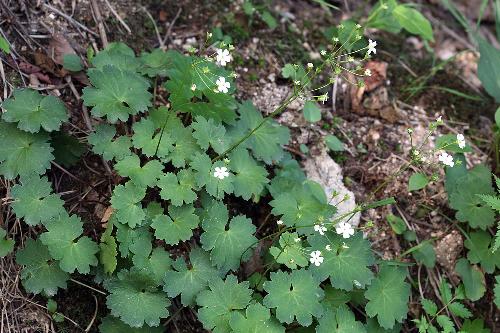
344 229
223 57
461 141
221 172
320 228
316 258
371 47
222 85
446 159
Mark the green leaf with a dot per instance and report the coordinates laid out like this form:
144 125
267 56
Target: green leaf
388 296
429 306
189 281
492 201
126 200
34 201
108 250
449 143
116 93
294 295
290 253
470 208
333 143
154 63
417 182
184 147
312 112
497 115
445 323
473 279
111 324
334 297
6 244
346 267
178 188
220 300
208 133
413 21
458 309
266 141
66 243
383 18
23 153
496 291
137 241
149 141
397 224
177 226
268 18
155 265
480 246
33 111
256 319
299 207
118 55
475 326
103 143
372 326
488 68
4 45
145 176
204 176
135 299
41 273
72 62
340 320
425 253
227 243
249 176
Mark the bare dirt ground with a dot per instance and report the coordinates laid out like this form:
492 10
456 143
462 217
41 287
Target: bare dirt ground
373 123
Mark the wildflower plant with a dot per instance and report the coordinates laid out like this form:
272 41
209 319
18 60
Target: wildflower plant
184 152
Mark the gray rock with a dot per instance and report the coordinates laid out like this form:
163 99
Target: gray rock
325 171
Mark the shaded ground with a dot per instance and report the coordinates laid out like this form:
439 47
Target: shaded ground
373 124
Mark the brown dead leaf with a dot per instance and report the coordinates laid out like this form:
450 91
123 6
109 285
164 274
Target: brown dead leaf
58 47
379 74
162 15
107 214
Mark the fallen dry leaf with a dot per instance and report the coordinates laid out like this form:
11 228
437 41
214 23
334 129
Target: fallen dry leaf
378 77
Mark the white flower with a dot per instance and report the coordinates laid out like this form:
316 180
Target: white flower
328 247
296 82
297 240
193 87
461 141
322 52
223 57
320 228
371 47
316 258
368 72
344 229
222 85
323 98
221 172
310 65
279 222
446 159
335 39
